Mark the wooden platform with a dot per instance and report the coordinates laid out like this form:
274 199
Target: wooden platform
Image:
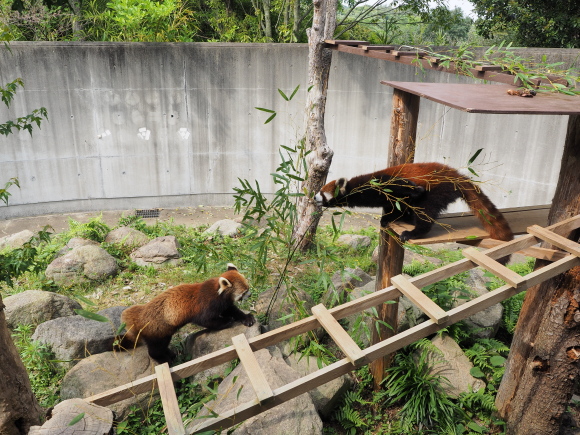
466 228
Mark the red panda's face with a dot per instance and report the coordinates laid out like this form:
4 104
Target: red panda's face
331 194
234 284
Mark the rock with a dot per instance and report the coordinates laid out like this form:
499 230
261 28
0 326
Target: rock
342 282
225 227
33 307
97 420
75 242
162 251
16 240
354 241
284 305
73 338
453 365
297 416
325 397
108 370
486 323
83 264
127 236
204 342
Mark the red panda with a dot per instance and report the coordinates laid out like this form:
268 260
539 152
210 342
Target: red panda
437 186
210 304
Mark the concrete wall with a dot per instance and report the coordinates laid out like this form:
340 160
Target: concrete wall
173 125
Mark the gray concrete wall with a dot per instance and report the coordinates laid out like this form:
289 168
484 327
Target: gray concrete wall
174 125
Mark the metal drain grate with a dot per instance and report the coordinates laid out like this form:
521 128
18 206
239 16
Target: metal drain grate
148 213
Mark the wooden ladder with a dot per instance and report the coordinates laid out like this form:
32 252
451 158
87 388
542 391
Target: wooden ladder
267 398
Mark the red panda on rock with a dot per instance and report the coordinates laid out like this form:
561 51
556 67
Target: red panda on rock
210 304
436 186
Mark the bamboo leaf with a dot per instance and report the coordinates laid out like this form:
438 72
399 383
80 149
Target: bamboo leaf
91 316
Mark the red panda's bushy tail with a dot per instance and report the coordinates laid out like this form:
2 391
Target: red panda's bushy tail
490 217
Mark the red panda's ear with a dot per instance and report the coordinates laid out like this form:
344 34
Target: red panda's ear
340 186
232 267
224 284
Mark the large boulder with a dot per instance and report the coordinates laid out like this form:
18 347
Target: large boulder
343 282
286 307
75 242
108 370
327 396
127 236
294 417
96 420
83 264
161 251
33 307
206 341
226 227
76 337
453 365
16 240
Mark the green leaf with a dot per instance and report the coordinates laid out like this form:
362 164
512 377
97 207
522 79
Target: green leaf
497 360
77 419
265 110
283 94
474 156
476 372
270 118
470 237
294 92
475 427
85 300
91 316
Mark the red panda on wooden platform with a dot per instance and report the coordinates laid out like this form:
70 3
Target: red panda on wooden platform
415 193
210 304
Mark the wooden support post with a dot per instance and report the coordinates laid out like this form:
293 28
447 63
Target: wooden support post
169 400
401 150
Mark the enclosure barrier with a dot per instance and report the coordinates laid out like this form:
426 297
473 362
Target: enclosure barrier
267 398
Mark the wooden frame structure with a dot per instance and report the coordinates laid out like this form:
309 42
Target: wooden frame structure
267 398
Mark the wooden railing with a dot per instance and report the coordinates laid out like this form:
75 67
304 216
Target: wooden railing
267 398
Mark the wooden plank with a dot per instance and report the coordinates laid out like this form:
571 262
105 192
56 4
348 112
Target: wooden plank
345 42
489 68
420 299
555 239
399 53
465 227
326 374
494 267
252 367
532 251
378 47
339 335
169 400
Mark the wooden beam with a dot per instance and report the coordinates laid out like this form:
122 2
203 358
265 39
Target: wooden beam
494 267
252 368
169 400
339 335
532 251
420 299
555 239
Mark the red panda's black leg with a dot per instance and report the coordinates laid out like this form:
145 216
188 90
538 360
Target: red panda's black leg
237 314
159 349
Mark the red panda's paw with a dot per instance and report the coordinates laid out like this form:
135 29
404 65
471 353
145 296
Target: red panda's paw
405 235
248 320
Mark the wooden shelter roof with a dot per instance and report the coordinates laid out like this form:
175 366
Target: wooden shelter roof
482 98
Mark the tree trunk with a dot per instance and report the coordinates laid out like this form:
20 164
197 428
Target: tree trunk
296 21
320 157
404 116
18 407
267 20
542 366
